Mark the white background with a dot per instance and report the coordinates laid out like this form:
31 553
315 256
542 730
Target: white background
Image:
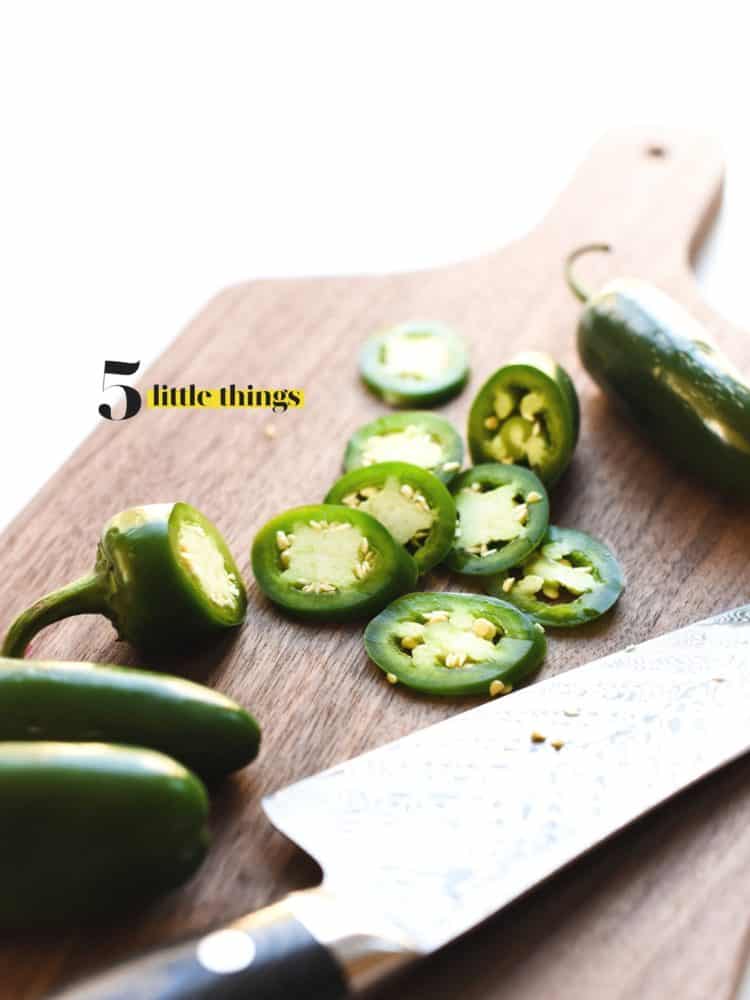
152 152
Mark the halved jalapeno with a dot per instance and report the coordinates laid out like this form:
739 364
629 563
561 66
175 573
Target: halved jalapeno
410 502
422 439
503 513
454 644
570 579
330 563
163 576
527 414
415 364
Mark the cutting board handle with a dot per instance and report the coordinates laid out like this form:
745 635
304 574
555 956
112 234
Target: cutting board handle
660 185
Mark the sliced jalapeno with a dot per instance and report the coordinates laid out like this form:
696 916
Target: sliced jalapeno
454 644
570 579
526 413
163 576
330 563
415 364
503 513
422 439
410 502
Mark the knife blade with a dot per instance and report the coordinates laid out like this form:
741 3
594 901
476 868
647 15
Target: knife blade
424 838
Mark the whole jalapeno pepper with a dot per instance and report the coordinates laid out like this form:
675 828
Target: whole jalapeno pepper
163 576
659 365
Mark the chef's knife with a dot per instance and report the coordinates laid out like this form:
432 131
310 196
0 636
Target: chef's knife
426 837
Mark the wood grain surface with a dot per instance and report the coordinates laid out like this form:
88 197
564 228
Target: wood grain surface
660 911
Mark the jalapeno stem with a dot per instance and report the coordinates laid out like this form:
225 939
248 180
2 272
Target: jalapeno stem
577 289
85 596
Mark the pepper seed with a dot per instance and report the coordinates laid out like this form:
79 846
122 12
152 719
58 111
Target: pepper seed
282 540
435 616
484 628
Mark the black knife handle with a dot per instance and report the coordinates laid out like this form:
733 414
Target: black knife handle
274 957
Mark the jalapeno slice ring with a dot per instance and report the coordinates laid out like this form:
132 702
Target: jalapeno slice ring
570 579
163 576
415 364
454 644
503 513
422 439
526 413
410 502
330 563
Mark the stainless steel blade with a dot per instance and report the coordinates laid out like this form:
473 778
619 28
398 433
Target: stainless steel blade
437 831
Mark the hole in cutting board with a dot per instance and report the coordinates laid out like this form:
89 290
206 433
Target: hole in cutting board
656 151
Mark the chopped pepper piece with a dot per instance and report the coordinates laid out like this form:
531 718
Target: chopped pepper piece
498 523
415 364
330 563
410 502
440 644
570 579
422 439
526 413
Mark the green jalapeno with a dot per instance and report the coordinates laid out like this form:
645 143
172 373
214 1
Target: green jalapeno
503 513
415 364
527 414
422 439
330 563
163 576
410 502
92 702
88 829
569 580
454 644
659 366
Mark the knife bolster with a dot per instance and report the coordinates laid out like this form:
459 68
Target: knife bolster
365 951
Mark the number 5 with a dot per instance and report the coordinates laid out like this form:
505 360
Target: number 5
132 396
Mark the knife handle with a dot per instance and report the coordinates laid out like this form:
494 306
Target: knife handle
284 951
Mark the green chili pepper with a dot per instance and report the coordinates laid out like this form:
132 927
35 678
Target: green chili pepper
454 644
503 512
410 502
526 413
415 364
92 702
570 579
163 576
90 828
659 365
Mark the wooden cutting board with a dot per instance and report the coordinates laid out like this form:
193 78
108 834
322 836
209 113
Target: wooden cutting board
662 910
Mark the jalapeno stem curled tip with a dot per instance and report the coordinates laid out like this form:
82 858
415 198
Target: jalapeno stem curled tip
577 289
85 596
